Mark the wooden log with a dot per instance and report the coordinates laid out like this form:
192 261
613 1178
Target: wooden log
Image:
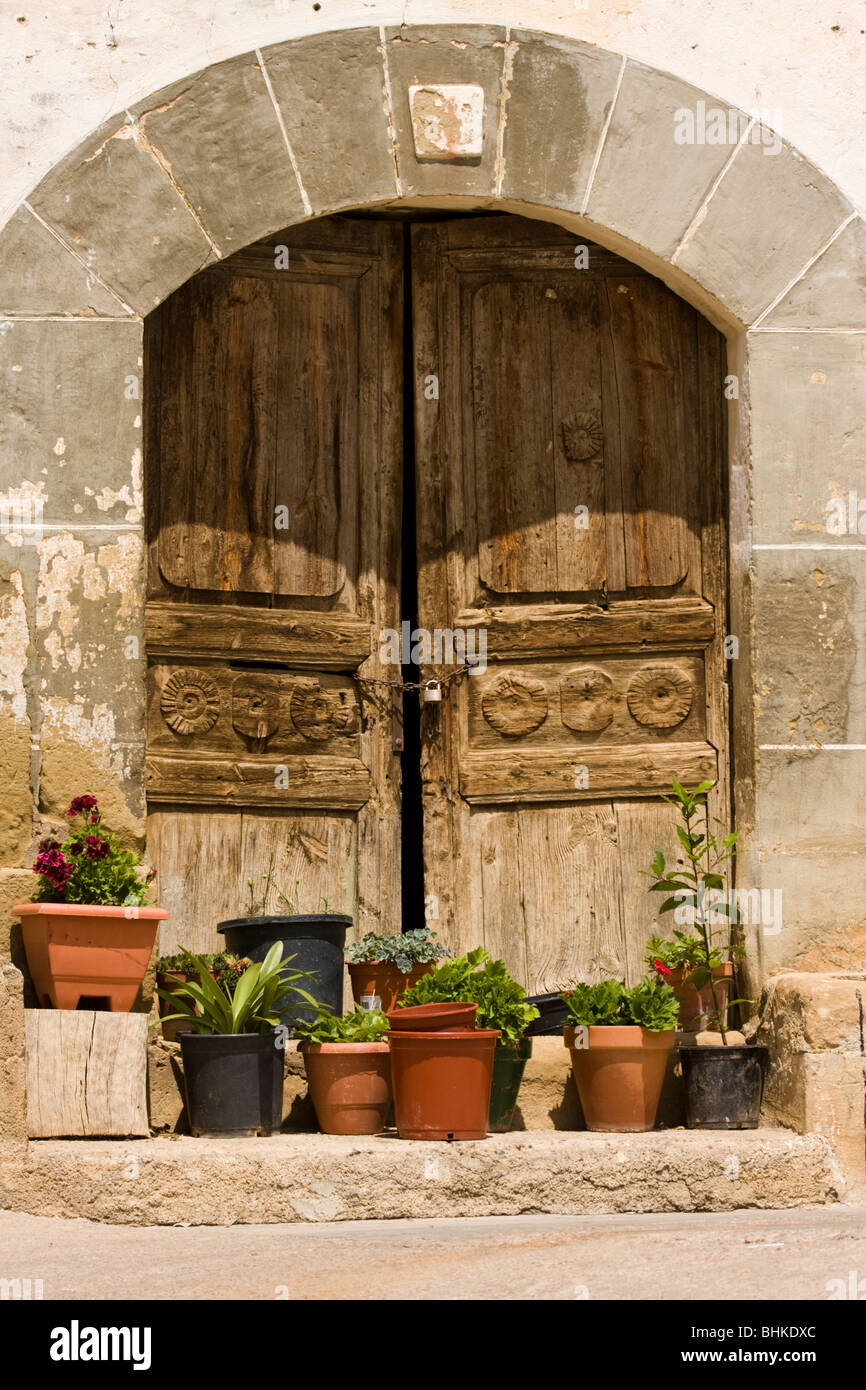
86 1073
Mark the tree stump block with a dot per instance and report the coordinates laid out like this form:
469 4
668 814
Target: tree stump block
86 1073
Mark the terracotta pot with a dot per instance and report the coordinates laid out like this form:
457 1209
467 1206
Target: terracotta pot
442 1082
619 1075
432 1017
77 951
695 1004
350 1085
378 984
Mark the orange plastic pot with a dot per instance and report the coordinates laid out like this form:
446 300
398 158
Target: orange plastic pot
378 984
78 951
696 1004
441 1082
350 1085
619 1073
431 1018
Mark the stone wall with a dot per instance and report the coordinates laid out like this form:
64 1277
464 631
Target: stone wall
760 240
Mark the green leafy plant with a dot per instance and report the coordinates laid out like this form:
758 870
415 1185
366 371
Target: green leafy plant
251 1004
356 1027
89 866
476 979
404 950
691 887
650 1004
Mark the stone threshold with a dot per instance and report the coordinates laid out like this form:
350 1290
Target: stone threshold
315 1177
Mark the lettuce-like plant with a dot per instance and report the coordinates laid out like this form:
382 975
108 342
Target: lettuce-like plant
357 1027
476 979
650 1004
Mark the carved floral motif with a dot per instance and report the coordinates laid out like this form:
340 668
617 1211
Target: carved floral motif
586 696
660 696
514 705
190 702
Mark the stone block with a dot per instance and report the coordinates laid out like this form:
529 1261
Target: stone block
13 1118
16 886
432 57
648 186
38 275
70 428
117 206
330 89
808 434
558 96
769 215
832 293
219 134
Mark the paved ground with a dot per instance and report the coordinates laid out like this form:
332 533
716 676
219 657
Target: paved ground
742 1254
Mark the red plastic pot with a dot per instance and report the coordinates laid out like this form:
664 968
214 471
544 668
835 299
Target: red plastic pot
696 1004
350 1085
432 1017
441 1082
76 950
378 984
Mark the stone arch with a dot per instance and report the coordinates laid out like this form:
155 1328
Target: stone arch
748 230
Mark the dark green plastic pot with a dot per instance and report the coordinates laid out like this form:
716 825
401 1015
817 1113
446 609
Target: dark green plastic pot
509 1060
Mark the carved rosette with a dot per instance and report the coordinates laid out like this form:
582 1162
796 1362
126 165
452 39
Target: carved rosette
320 714
190 702
582 436
586 696
256 709
660 696
515 705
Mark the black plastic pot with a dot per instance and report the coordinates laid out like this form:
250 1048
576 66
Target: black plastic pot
509 1061
233 1082
316 941
553 1013
723 1086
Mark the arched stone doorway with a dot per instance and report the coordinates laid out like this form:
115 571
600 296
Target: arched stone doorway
764 245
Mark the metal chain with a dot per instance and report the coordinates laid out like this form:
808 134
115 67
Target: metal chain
432 683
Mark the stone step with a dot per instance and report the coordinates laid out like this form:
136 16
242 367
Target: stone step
314 1177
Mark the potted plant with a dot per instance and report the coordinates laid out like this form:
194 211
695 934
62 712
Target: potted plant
87 934
233 1049
723 1083
680 961
348 1068
179 968
382 967
619 1039
443 1075
314 940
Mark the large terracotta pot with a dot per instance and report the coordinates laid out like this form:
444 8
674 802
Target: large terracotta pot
350 1085
378 984
619 1074
430 1018
441 1082
695 1004
77 951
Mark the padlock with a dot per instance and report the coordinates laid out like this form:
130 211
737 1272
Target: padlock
432 694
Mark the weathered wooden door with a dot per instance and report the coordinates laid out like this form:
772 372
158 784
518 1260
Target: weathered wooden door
273 477
569 445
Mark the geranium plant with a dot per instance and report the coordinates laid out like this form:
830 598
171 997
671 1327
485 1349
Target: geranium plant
89 866
476 979
404 950
650 1004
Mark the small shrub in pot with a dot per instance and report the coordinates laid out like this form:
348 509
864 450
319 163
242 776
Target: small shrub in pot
382 967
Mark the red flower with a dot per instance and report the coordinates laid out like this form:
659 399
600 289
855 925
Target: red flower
96 847
78 804
662 969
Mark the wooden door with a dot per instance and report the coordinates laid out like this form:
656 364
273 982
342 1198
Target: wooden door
569 448
273 479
